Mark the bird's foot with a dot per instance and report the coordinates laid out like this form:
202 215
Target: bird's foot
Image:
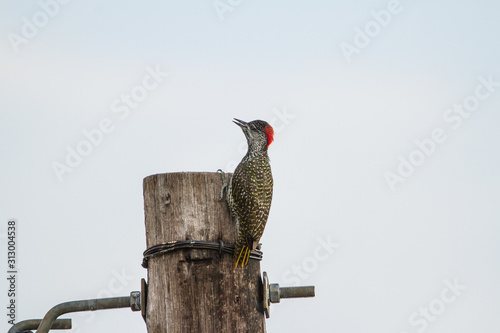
224 184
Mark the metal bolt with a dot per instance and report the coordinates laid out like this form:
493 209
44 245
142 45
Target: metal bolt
273 293
276 293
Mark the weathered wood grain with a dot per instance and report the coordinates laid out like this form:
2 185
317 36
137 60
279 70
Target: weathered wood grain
196 290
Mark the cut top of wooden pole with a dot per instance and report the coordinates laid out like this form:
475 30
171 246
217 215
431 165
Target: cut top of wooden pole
196 290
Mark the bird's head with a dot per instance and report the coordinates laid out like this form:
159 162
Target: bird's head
259 133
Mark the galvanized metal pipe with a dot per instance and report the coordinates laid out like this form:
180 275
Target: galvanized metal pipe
33 324
84 305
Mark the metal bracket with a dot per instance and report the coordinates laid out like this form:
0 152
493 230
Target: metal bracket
273 293
144 298
267 303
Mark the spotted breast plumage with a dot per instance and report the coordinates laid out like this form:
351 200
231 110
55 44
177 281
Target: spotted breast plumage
250 189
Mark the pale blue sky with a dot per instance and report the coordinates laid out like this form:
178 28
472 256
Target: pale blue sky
348 124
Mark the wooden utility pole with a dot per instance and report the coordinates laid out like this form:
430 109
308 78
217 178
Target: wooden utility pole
195 290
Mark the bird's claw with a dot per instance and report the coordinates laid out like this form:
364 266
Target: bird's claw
224 184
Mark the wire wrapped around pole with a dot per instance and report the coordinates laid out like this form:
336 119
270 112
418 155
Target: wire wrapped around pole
219 246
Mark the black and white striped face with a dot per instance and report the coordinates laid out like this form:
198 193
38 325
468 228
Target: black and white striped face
259 134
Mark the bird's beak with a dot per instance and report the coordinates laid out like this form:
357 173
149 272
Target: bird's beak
240 123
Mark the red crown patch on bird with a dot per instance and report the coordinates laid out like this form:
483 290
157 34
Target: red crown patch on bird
270 134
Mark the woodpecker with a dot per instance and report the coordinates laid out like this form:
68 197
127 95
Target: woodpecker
250 189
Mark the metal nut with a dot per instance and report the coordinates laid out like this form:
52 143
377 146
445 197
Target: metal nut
135 301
